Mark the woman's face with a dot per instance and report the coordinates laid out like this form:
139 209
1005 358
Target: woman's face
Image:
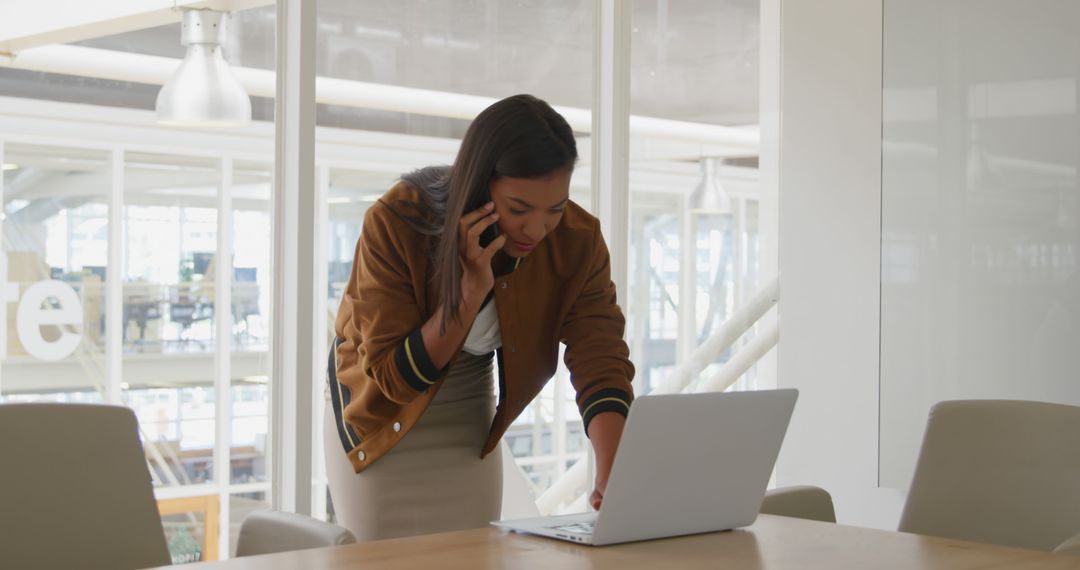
529 208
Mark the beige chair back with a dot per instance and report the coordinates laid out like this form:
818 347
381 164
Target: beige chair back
75 491
1001 472
801 502
267 532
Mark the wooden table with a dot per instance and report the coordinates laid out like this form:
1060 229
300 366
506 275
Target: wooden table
771 543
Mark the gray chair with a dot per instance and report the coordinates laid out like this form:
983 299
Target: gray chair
1000 472
267 532
75 491
803 502
1070 546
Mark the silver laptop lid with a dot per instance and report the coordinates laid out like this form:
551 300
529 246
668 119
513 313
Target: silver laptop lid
692 463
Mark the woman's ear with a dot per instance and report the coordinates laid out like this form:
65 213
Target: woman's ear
492 189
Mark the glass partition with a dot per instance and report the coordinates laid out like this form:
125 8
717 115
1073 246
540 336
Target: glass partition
55 246
980 289
693 206
170 236
252 271
486 48
196 368
78 143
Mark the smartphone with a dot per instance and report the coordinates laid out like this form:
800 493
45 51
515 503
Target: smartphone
489 234
492 231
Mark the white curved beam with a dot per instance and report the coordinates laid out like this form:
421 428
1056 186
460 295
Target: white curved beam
45 22
154 70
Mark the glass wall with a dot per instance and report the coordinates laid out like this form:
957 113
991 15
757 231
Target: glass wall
980 287
252 270
684 191
198 383
192 354
485 48
693 207
55 246
170 236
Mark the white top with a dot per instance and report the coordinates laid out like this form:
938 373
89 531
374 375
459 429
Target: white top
484 336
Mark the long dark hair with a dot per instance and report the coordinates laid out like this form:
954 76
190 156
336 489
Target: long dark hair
520 137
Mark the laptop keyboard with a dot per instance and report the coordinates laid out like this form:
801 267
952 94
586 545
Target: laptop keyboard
578 528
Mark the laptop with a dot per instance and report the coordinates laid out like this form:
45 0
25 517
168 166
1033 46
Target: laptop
687 464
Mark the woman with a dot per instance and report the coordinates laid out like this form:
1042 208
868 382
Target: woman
487 259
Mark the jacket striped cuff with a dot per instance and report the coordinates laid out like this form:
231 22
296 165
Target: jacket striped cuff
414 365
606 400
340 396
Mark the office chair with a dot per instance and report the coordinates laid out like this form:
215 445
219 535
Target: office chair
187 306
802 502
75 492
75 489
998 471
267 532
1070 546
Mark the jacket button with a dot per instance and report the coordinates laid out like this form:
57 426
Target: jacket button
397 426
361 456
503 285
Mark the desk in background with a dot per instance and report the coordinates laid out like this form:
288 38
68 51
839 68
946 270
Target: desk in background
773 543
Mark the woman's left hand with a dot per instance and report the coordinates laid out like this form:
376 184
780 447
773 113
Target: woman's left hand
597 495
604 433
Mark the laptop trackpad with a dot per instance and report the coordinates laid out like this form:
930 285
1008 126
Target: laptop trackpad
579 523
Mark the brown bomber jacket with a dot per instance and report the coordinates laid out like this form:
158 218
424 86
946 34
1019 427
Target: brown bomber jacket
380 377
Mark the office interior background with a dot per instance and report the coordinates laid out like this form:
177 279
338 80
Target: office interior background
921 247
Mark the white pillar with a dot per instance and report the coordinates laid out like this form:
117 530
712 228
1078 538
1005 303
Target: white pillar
114 284
223 325
293 337
611 131
610 141
641 301
738 212
322 346
830 246
3 272
686 342
769 168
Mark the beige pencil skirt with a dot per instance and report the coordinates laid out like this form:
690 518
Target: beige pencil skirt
433 480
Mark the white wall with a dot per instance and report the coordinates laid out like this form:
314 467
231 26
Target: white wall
830 211
769 168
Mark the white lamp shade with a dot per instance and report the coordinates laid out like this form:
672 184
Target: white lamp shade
709 197
203 91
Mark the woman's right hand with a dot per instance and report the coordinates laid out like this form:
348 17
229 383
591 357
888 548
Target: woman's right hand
477 278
